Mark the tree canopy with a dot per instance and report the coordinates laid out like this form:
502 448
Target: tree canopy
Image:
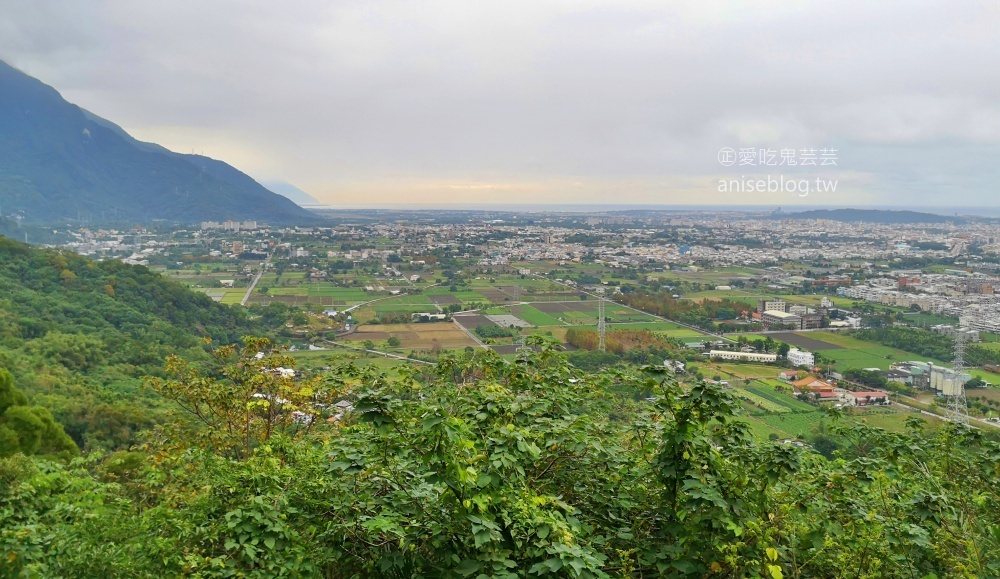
486 467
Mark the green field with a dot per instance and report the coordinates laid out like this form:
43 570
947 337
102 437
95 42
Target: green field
747 370
761 430
317 359
469 296
854 353
891 421
233 297
795 424
681 333
534 316
652 326
991 377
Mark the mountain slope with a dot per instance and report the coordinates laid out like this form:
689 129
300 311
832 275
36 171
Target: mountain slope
57 162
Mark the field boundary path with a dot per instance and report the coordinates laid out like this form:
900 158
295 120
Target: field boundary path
379 352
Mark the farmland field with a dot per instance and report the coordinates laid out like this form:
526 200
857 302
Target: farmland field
805 342
747 370
795 424
763 405
761 430
764 391
892 421
652 326
415 336
849 352
534 316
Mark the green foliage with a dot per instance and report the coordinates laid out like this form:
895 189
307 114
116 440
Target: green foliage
491 331
482 466
9 395
690 312
979 356
80 345
253 397
28 429
867 377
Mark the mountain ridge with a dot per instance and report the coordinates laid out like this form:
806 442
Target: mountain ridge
59 161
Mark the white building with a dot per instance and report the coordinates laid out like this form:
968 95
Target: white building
801 358
772 318
747 356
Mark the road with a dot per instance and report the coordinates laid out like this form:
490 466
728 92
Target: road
253 284
472 335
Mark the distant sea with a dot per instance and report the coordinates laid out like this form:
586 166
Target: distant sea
573 208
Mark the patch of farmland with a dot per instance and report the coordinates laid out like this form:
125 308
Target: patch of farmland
534 316
683 333
786 401
763 404
425 336
444 299
805 342
795 423
507 320
652 325
473 321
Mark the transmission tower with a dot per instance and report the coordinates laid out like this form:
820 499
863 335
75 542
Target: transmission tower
602 328
522 345
958 408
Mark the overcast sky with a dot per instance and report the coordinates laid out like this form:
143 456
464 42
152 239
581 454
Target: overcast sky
544 101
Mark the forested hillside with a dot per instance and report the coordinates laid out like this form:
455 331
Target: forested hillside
486 468
79 335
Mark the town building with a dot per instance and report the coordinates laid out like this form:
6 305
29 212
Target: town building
799 357
771 318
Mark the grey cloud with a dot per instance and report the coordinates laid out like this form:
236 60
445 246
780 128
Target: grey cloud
412 97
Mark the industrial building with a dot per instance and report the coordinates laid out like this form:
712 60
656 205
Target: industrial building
745 356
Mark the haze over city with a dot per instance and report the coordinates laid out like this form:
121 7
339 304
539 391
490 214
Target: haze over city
556 102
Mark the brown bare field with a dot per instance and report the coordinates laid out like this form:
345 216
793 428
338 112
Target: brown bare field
445 335
473 321
493 295
444 300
